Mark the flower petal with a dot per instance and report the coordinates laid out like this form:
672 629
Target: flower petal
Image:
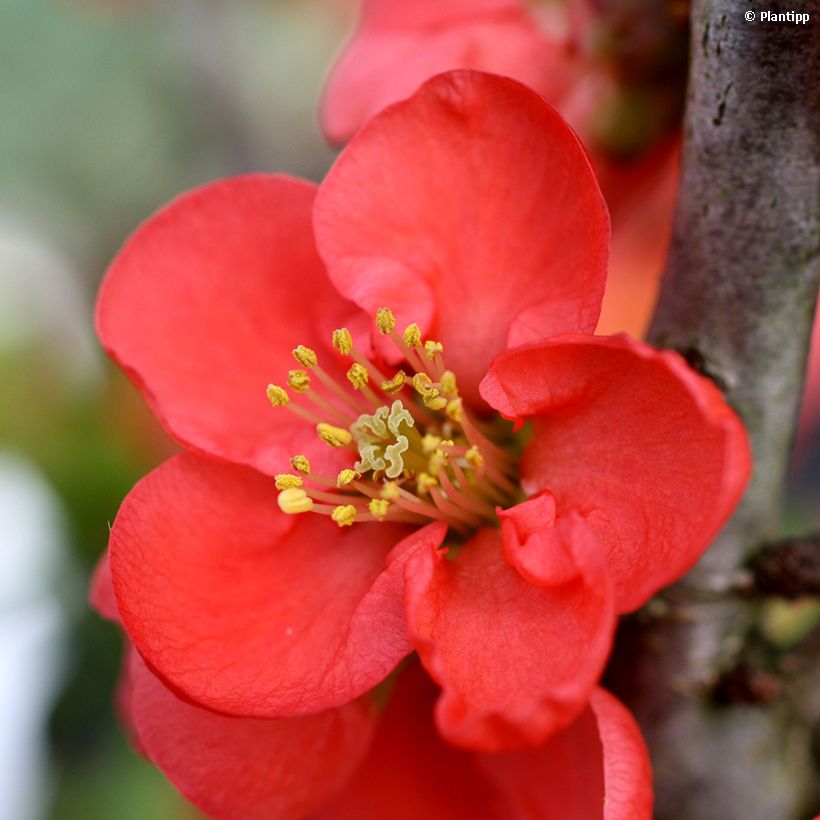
410 772
517 660
247 768
399 45
633 439
203 305
598 767
245 610
472 209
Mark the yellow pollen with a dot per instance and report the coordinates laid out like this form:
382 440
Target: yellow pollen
395 384
334 436
298 380
344 515
300 464
474 457
390 490
447 383
431 348
412 335
346 477
425 482
277 395
286 481
437 462
454 409
358 376
294 500
423 385
429 443
385 320
435 402
342 341
305 356
378 507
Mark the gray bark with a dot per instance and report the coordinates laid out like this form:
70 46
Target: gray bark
738 297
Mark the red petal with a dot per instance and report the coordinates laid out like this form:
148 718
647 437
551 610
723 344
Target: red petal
596 768
101 590
246 610
203 306
472 209
644 448
516 660
409 772
399 45
248 768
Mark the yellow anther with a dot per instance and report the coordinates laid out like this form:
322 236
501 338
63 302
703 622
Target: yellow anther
298 380
437 462
305 356
390 490
334 436
425 482
294 500
454 409
431 348
395 384
474 457
385 320
300 464
434 402
378 508
346 477
342 341
429 443
447 383
344 515
358 376
277 395
423 385
412 335
285 481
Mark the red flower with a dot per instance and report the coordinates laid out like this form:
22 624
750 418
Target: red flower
472 211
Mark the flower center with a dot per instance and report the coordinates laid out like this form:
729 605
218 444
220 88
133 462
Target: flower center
417 454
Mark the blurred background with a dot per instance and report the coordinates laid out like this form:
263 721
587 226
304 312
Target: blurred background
109 109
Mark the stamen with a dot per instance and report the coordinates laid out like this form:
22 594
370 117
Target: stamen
425 482
342 341
432 349
447 383
453 410
358 376
390 490
298 380
300 464
412 336
424 386
385 321
395 384
305 356
344 515
378 508
294 501
277 396
285 481
346 477
429 443
334 436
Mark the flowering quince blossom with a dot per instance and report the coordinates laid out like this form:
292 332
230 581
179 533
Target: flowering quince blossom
473 477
